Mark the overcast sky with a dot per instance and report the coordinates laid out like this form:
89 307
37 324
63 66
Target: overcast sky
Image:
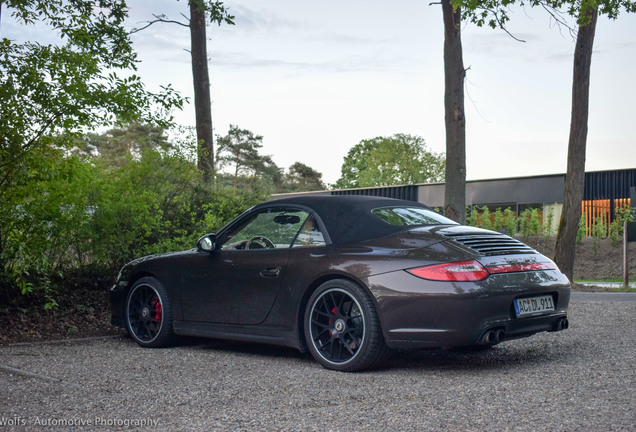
316 77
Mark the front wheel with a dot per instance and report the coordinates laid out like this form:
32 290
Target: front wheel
342 328
149 314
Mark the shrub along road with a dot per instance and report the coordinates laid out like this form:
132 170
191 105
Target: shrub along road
579 379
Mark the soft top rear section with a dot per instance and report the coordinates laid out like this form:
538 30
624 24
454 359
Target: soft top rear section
485 242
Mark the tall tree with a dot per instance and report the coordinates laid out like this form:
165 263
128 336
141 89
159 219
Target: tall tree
454 118
575 177
201 11
239 150
117 144
385 161
301 178
495 12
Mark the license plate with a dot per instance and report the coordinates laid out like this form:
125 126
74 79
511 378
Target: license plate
534 305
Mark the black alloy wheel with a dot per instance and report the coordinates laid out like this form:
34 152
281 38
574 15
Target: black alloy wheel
342 328
149 314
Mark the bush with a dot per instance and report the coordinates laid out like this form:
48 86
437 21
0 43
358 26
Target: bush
529 223
502 221
69 216
510 222
43 222
582 229
547 229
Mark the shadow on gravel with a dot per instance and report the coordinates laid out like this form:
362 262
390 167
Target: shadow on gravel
496 358
246 348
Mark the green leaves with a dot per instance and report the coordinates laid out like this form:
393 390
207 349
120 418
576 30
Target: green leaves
300 178
239 150
496 13
66 214
84 83
218 13
386 161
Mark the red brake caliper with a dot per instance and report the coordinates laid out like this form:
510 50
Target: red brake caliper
156 304
334 311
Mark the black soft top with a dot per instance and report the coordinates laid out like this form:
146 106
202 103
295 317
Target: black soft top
348 218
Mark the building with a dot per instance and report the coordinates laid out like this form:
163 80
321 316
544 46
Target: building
605 192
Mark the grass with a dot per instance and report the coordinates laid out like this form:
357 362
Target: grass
617 285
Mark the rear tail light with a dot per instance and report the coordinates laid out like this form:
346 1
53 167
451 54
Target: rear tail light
511 268
473 271
455 271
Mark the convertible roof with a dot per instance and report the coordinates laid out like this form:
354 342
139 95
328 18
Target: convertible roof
348 218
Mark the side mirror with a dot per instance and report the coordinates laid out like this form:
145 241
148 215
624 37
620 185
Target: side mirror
206 243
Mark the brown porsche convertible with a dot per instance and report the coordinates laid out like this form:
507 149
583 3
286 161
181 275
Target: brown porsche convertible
347 278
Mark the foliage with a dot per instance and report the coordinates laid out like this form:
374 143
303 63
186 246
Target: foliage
511 221
130 140
239 150
529 223
536 221
586 12
85 81
154 205
216 13
50 93
301 178
496 13
42 217
498 222
581 230
201 12
502 221
599 231
472 215
72 213
616 228
547 229
486 219
386 161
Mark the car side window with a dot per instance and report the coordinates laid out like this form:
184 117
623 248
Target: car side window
270 228
309 235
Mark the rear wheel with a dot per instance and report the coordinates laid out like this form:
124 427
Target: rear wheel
149 314
342 328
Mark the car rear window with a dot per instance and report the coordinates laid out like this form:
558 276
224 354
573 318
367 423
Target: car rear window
407 216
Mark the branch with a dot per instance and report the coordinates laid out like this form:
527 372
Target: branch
501 24
32 141
558 18
161 19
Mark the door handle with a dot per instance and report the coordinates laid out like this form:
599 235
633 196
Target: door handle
271 272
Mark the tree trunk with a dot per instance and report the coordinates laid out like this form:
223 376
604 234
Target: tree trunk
575 177
454 73
201 80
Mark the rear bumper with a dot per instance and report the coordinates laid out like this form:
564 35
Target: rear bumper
428 314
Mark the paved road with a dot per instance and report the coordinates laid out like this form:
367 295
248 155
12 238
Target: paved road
604 296
578 380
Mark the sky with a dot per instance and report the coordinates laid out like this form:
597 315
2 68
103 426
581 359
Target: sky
314 78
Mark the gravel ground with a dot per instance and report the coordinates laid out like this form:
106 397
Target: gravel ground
581 379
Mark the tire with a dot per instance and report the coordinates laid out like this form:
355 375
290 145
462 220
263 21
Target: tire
342 328
148 314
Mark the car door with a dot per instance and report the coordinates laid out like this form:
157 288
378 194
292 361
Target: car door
238 282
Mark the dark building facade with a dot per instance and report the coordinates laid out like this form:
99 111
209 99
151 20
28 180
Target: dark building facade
604 193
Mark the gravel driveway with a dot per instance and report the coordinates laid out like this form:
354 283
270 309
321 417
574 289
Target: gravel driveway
581 379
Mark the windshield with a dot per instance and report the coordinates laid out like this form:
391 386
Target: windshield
406 216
